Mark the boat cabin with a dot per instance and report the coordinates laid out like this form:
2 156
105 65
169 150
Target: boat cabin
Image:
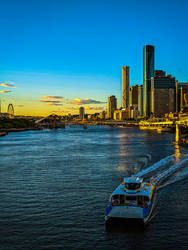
130 200
132 192
133 183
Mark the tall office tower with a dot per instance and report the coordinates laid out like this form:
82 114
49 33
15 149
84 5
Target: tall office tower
133 95
148 73
162 95
81 111
125 86
112 106
140 100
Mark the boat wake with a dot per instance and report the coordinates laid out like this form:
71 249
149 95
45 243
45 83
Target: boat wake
158 165
167 171
142 163
178 176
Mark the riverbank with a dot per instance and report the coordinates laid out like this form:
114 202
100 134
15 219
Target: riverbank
4 132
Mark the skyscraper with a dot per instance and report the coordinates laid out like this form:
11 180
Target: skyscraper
133 95
112 106
125 86
140 100
81 111
148 73
162 95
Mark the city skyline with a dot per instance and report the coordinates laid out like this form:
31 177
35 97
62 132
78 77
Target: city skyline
57 56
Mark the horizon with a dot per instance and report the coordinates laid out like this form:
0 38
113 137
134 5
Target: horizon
59 55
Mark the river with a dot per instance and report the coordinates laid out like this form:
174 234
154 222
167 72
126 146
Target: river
54 185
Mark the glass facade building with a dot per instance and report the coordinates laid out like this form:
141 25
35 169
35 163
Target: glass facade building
81 111
162 95
133 95
140 100
148 73
125 86
112 106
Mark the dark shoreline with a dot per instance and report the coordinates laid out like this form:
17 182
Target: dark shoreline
4 132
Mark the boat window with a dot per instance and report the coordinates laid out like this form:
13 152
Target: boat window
132 186
139 200
118 199
142 200
131 198
115 199
122 199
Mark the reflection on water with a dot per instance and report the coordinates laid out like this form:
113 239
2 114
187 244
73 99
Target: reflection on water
54 184
177 151
122 168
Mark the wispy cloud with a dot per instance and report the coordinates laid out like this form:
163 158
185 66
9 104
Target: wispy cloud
7 85
53 97
52 100
94 108
54 104
5 91
49 101
78 101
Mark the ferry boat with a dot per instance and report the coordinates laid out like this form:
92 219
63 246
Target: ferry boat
133 199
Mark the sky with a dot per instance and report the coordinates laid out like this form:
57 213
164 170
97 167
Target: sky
58 55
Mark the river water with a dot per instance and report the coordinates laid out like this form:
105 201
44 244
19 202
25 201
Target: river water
54 185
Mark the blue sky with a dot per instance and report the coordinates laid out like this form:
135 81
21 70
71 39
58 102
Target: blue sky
75 49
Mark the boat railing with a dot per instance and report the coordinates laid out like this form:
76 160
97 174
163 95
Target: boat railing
142 204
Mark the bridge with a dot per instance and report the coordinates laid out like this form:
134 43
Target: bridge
50 121
176 125
158 124
45 121
54 121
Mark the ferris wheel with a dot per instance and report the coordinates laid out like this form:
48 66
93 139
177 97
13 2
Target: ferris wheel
10 110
